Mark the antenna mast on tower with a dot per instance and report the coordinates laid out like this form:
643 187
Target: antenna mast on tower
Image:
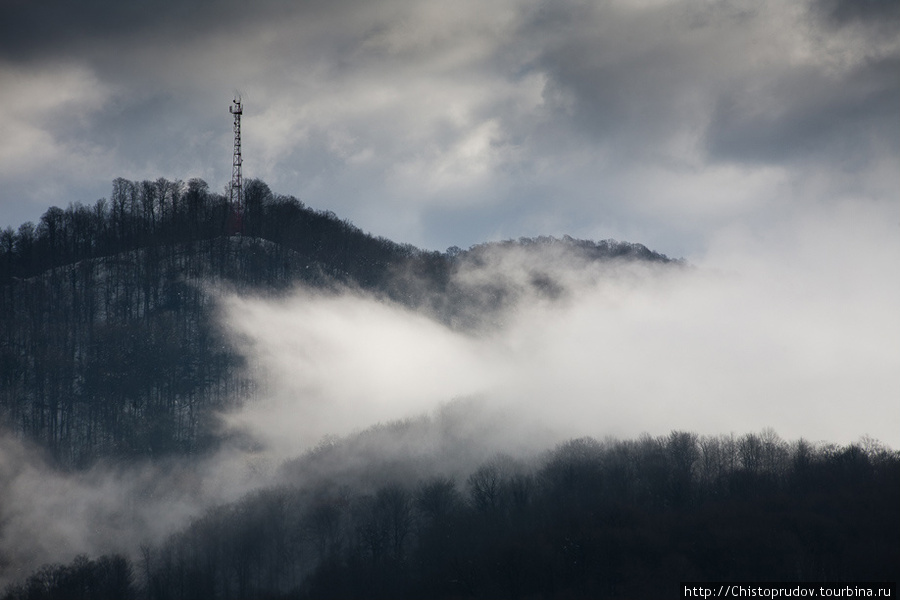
237 185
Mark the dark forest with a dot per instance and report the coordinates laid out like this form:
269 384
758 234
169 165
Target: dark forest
586 519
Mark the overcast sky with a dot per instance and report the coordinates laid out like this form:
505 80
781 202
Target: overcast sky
438 124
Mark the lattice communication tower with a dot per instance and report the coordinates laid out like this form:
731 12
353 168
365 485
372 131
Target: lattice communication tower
237 185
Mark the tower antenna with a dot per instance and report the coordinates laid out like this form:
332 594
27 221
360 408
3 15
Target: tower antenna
237 184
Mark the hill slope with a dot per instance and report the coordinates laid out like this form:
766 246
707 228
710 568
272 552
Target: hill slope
109 344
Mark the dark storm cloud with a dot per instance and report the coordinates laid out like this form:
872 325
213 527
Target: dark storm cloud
636 78
36 30
41 30
635 75
805 113
877 13
610 79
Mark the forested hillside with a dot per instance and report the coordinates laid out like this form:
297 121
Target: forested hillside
382 515
108 339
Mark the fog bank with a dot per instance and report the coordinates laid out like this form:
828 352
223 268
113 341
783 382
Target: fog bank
793 329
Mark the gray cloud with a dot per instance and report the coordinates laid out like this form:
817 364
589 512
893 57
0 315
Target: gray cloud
44 31
443 125
806 114
880 14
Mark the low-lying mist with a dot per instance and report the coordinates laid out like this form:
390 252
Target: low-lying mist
47 515
796 332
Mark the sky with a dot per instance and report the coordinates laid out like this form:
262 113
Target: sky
665 122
